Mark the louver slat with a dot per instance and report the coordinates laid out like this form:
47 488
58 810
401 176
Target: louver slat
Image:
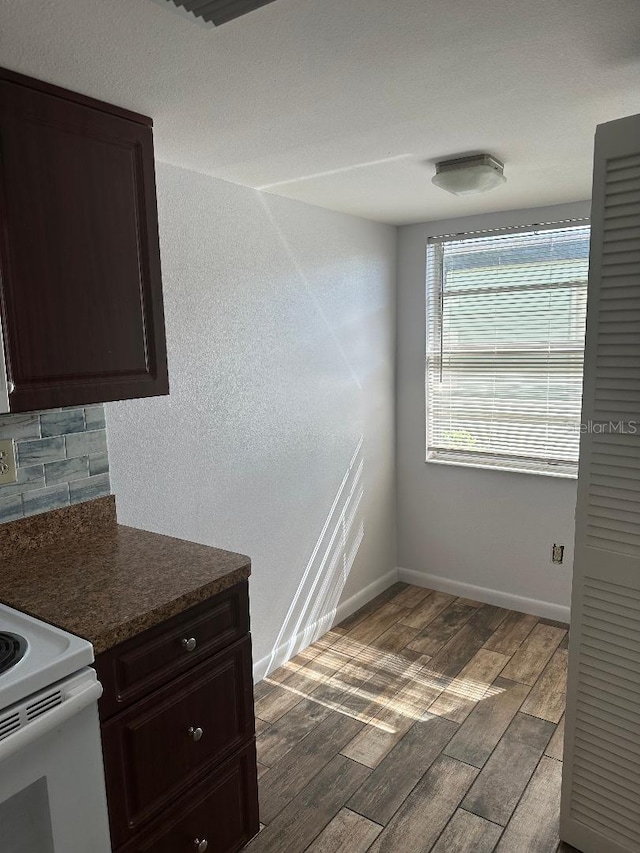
615 784
601 781
619 164
606 770
617 379
598 730
216 12
223 12
193 5
621 808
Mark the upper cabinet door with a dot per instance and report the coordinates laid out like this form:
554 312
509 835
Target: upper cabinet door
81 289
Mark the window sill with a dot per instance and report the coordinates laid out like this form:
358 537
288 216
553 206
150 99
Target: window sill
562 475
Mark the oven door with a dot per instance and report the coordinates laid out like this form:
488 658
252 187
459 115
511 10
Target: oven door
52 792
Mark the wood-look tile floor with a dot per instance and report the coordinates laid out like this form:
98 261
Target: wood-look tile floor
424 722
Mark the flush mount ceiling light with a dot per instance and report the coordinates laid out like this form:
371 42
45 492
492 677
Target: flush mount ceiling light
469 175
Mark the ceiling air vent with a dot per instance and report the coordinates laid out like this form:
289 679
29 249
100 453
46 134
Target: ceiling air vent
212 13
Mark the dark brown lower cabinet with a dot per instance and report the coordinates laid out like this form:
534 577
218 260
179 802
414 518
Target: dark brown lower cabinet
222 813
180 761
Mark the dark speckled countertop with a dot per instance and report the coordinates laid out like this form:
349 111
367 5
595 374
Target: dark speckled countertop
78 569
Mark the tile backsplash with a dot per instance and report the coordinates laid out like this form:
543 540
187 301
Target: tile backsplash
61 459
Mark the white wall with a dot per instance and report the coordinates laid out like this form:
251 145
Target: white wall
470 527
277 439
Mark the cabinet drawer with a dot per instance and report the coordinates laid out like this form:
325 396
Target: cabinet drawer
136 667
223 812
162 745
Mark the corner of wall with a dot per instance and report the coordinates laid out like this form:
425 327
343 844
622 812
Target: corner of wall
312 632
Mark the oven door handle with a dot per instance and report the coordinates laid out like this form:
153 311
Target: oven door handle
73 702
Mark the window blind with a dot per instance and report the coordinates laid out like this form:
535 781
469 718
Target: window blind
505 347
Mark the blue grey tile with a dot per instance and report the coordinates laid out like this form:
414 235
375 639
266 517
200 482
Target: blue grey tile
31 474
11 508
20 427
43 500
99 464
66 469
28 478
94 417
40 451
90 488
86 443
54 448
62 423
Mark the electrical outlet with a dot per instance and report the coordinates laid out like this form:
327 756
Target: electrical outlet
557 553
7 463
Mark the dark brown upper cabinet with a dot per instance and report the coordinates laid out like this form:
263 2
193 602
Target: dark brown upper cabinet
81 292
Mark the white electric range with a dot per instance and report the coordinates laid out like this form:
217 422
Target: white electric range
52 792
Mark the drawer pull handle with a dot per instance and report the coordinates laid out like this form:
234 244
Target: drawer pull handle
201 844
195 734
189 644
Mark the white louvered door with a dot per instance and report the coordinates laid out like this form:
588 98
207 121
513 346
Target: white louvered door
601 781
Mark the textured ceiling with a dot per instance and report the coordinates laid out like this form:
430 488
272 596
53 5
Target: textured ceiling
347 103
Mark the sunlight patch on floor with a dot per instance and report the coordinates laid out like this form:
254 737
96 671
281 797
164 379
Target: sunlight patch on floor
413 687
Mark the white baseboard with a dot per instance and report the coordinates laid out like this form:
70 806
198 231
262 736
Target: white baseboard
312 632
355 602
286 651
545 609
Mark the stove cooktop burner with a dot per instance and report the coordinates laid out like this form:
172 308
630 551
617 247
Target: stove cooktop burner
12 649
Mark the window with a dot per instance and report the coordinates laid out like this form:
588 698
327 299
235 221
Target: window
505 347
